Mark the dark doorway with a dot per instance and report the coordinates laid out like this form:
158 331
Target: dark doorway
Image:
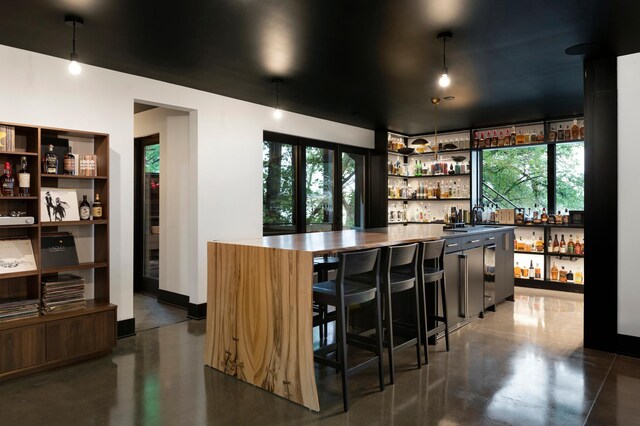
147 214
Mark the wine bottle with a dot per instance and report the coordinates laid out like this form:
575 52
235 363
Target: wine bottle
85 209
24 178
96 210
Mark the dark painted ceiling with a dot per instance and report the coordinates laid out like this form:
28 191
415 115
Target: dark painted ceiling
369 63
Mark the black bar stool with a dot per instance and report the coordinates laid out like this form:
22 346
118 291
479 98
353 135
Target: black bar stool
399 273
431 270
322 265
357 282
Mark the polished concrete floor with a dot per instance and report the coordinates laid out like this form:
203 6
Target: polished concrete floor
523 365
151 314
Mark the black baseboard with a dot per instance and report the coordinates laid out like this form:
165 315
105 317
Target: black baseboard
126 328
629 345
197 312
175 299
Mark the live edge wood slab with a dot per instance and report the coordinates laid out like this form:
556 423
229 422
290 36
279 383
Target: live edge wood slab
259 316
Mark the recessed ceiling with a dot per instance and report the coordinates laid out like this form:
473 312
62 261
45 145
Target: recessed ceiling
373 64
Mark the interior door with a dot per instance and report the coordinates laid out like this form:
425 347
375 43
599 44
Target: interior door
147 212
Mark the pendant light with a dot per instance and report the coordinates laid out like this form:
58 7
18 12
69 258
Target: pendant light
435 148
277 112
74 22
444 78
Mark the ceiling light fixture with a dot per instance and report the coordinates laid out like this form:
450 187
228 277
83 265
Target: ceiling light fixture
74 22
444 78
277 112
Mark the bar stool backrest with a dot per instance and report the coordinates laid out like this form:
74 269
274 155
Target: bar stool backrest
361 264
433 254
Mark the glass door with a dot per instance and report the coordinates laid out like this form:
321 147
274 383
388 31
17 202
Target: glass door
147 227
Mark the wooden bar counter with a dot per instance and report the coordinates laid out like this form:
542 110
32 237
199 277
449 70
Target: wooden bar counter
259 316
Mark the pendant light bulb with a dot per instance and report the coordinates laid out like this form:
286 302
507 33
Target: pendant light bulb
277 113
74 22
444 81
74 65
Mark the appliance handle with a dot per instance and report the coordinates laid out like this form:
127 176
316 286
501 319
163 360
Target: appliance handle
464 285
506 239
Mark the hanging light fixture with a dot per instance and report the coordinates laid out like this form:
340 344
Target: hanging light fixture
74 22
435 148
444 78
277 112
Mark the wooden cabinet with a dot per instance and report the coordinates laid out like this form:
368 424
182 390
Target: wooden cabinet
34 344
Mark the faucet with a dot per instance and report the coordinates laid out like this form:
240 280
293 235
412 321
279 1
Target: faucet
474 214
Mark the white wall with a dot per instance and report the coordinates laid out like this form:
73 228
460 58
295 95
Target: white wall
172 126
224 203
628 195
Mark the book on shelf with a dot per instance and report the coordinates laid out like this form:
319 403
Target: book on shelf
16 255
7 138
58 249
15 309
88 165
62 293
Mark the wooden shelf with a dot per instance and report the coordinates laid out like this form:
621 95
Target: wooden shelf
74 223
18 274
429 176
33 225
78 267
549 285
526 145
47 175
14 197
530 252
19 154
93 306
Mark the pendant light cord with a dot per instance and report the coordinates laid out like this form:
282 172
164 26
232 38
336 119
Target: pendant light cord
74 37
277 95
444 53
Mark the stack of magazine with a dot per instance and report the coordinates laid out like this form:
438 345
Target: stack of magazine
19 309
62 293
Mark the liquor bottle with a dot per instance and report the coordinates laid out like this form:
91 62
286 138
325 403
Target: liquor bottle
536 215
540 137
556 244
512 136
551 220
50 162
69 163
567 133
540 245
85 209
563 275
582 130
565 217
570 245
570 276
550 245
516 271
560 135
438 191
524 271
96 210
482 143
552 134
520 138
579 277
532 244
500 139
583 246
532 271
554 272
563 246
507 138
6 181
538 273
521 246
577 247
494 139
476 140
24 178
527 136
575 131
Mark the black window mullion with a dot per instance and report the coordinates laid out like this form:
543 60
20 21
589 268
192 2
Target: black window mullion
551 178
337 189
301 192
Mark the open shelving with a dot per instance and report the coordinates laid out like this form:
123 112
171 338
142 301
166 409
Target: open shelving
50 340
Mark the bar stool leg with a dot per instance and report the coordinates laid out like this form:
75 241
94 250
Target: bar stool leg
416 308
380 345
388 317
444 312
423 288
342 352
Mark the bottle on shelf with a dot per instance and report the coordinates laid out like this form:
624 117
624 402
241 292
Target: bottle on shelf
482 142
50 162
544 217
570 245
570 276
532 271
85 209
578 277
516 271
69 163
538 272
7 181
577 247
554 272
540 245
476 140
527 136
507 139
24 178
524 271
536 215
565 217
512 136
96 209
567 133
563 275
551 220
582 130
540 137
563 246
560 135
520 138
494 139
556 244
552 133
575 131
550 245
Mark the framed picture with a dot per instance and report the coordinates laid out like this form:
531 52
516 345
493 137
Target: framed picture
58 205
16 255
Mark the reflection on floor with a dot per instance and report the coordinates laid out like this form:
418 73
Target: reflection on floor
521 365
151 314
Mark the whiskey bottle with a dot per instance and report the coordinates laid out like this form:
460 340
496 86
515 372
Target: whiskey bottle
565 217
507 138
563 275
527 136
554 272
6 181
516 271
512 136
500 139
536 215
69 163
563 246
551 220
96 210
570 276
570 245
482 143
524 271
567 133
540 137
575 131
532 271
560 135
579 277
520 138
24 178
476 140
85 209
550 245
50 162
544 217
494 139
552 134
540 245
577 247
538 273
556 244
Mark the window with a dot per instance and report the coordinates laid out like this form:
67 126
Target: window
515 177
311 186
570 176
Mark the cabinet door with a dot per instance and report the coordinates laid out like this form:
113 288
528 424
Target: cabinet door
504 266
453 283
475 284
21 347
82 335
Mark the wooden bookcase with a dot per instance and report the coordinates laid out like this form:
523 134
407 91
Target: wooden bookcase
47 341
